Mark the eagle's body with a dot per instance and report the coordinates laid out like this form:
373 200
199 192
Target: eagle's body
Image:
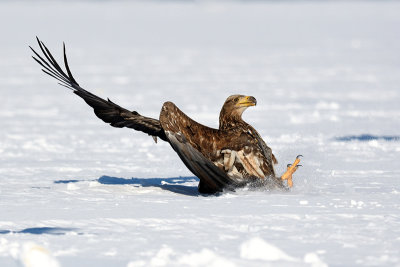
236 147
231 156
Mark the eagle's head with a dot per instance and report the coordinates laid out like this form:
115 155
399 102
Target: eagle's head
233 108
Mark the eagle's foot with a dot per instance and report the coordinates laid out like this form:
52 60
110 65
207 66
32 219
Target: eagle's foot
291 168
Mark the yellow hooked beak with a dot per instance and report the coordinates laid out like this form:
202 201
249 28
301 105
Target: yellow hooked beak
246 101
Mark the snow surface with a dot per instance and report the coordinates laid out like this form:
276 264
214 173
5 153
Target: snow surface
326 76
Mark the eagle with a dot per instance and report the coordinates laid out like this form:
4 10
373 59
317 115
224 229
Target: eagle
232 156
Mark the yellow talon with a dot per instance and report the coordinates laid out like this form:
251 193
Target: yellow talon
290 170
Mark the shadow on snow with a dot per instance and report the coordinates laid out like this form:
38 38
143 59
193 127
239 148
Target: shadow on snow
67 181
367 137
41 231
173 184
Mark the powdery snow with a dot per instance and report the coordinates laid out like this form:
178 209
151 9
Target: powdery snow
258 249
77 192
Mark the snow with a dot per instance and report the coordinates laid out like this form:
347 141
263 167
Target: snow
257 249
34 255
77 192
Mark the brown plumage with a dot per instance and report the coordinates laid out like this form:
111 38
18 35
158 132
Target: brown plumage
235 147
225 158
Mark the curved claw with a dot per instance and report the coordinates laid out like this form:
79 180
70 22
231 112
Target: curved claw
291 168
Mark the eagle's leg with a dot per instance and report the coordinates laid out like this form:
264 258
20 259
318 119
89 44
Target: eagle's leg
291 168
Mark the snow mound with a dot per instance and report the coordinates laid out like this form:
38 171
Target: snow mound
29 254
166 256
314 260
205 257
34 255
258 249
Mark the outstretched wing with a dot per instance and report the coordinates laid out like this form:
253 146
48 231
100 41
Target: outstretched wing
106 110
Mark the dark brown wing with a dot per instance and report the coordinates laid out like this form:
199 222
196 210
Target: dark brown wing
201 137
106 110
212 179
193 142
268 158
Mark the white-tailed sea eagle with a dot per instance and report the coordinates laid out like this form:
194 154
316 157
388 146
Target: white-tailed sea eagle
231 156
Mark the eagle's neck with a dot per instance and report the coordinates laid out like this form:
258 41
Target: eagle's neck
231 119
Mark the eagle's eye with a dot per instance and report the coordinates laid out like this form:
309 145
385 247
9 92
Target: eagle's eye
236 99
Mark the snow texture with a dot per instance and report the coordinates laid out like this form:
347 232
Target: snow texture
77 192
